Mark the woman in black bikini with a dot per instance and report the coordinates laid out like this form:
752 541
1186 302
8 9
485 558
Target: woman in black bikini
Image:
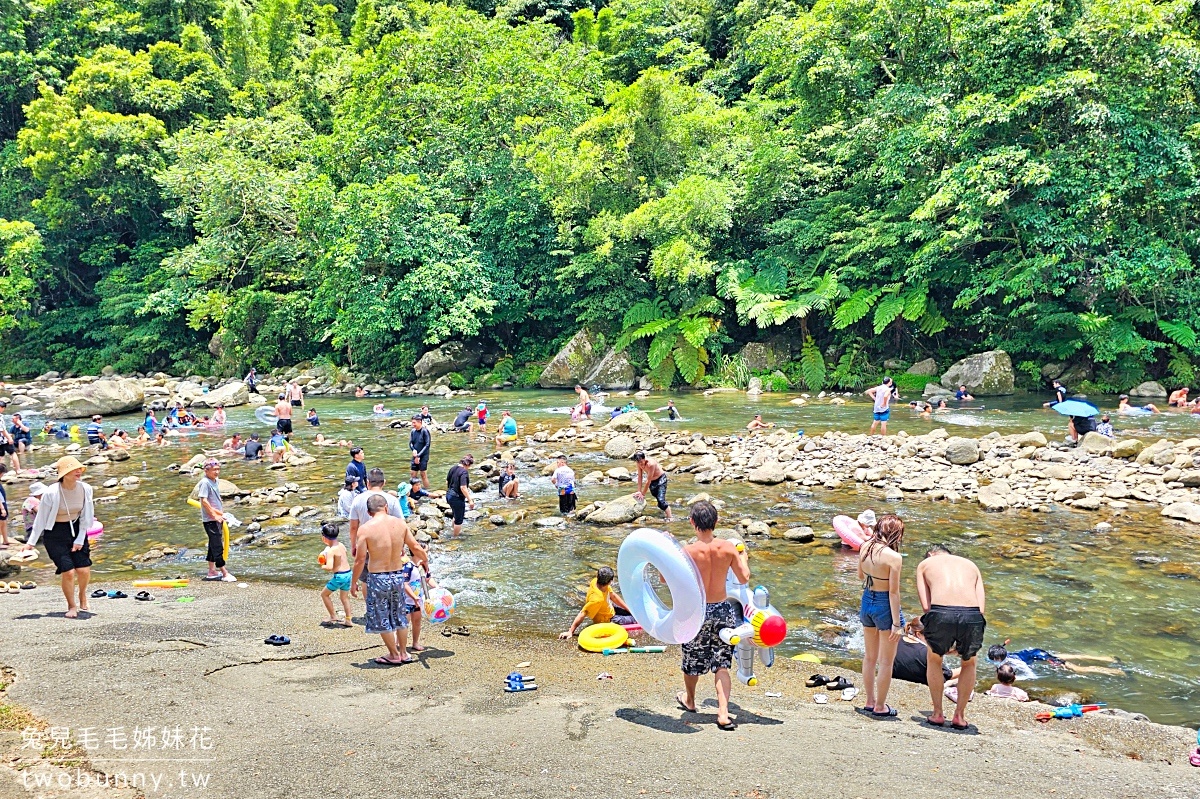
879 565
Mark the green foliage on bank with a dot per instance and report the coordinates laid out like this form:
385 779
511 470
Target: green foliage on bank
209 184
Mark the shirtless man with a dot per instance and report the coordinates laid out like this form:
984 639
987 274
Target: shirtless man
283 415
296 395
705 653
758 424
656 482
951 592
1179 398
383 539
585 402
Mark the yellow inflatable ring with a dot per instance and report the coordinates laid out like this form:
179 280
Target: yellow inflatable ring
598 637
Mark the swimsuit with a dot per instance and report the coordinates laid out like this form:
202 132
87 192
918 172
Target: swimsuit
385 602
339 581
954 627
707 652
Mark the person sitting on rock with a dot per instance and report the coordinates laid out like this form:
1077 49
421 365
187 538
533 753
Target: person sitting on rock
1105 427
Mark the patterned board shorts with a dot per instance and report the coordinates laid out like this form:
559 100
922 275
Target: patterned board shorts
385 602
707 652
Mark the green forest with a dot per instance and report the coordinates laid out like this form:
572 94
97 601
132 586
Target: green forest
203 185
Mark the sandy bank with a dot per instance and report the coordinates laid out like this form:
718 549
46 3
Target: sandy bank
318 719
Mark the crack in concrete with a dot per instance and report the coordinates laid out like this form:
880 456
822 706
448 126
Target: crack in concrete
312 656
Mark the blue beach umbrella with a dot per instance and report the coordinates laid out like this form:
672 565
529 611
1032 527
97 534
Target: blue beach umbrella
1074 407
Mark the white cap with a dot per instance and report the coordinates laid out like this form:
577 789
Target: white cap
867 518
37 489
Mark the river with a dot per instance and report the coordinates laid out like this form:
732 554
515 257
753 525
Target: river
1052 582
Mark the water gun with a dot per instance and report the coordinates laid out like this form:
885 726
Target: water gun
637 650
1069 712
763 626
517 682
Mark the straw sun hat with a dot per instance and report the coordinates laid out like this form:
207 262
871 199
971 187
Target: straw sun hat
67 465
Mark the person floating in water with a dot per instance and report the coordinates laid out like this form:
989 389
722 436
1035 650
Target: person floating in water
1124 407
1022 661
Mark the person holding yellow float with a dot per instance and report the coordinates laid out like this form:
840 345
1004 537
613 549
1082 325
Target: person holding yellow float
598 607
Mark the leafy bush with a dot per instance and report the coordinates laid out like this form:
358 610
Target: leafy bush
457 381
911 384
528 376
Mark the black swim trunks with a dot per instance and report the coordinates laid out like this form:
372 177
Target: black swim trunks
284 426
658 490
954 627
707 652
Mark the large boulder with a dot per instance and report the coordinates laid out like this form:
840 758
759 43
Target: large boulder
620 447
1187 511
962 451
1127 448
986 374
764 357
613 372
1148 389
452 356
1096 444
230 394
925 368
572 364
618 511
770 472
103 396
995 495
632 422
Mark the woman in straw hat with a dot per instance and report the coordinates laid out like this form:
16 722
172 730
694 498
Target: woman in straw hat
63 517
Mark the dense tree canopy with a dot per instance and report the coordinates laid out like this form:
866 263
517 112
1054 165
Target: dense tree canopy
207 184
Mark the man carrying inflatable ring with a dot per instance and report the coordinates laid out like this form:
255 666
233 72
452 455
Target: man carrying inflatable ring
691 573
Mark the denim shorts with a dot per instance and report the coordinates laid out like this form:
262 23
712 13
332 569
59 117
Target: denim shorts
876 610
882 416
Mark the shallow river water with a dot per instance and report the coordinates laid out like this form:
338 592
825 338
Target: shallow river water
1133 593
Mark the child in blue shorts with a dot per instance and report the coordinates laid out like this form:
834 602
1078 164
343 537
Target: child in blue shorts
336 561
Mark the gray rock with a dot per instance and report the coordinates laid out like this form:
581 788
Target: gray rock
1058 471
962 451
764 357
770 472
104 397
633 422
758 528
1150 388
799 535
1096 444
1187 511
619 473
618 511
994 497
1127 448
452 356
925 368
550 521
985 374
613 372
229 395
918 482
755 386
572 363
620 447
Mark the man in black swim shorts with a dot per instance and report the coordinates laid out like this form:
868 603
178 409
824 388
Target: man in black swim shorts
707 653
951 592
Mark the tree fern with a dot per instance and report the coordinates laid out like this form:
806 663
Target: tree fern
660 349
857 306
887 311
812 365
687 361
1179 333
915 300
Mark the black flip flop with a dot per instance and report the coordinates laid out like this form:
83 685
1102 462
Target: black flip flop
934 723
727 727
278 640
461 630
817 680
891 712
98 594
120 595
840 684
684 707
960 726
143 596
446 633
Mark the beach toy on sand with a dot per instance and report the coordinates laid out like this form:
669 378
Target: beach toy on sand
438 605
1069 712
96 530
599 637
763 626
180 583
644 547
266 414
849 531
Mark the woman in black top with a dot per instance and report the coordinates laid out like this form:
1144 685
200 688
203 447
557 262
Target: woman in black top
458 492
912 656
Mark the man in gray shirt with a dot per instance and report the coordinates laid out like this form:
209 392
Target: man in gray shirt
358 509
